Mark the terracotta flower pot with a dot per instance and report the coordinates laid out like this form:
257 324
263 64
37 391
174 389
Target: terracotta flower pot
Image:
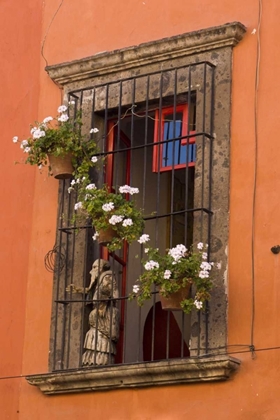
106 236
173 300
61 166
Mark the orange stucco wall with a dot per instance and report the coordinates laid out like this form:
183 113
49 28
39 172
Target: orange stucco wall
28 212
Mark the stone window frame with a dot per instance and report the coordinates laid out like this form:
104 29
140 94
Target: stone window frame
213 45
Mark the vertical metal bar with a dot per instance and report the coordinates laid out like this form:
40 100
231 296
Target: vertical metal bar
146 140
60 212
105 133
85 274
139 334
203 147
183 331
124 301
159 163
117 155
173 158
167 334
93 112
111 302
187 215
96 307
212 108
65 306
132 125
73 237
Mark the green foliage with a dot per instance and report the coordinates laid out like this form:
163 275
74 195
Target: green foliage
93 201
60 136
174 270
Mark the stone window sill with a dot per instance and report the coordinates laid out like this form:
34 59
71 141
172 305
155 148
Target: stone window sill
182 371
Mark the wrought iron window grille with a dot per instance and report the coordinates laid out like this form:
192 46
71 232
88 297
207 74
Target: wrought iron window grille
176 203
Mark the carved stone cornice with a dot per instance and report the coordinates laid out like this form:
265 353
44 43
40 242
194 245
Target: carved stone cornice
149 53
206 369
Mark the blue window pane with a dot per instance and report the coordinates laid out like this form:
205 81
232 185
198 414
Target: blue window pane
174 153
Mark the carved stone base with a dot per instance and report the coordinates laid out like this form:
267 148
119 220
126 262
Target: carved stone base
206 369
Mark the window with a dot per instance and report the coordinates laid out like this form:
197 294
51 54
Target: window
141 103
176 144
131 114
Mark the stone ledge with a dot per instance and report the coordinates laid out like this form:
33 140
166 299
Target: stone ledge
190 43
206 369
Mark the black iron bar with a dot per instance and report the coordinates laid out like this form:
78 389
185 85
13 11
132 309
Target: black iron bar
57 282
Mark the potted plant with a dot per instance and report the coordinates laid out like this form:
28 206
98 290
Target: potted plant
114 216
173 274
57 142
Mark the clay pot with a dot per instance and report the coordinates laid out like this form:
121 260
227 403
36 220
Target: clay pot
61 166
173 300
106 236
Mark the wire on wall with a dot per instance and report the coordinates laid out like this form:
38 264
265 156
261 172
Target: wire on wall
47 32
257 72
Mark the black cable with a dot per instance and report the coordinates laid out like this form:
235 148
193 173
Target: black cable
205 356
252 347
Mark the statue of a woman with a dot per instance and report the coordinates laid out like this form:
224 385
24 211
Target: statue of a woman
102 337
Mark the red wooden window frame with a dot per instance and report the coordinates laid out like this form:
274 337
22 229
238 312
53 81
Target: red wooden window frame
122 260
160 118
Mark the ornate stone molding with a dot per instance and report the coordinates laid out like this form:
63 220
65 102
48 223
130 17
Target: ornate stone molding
206 369
175 47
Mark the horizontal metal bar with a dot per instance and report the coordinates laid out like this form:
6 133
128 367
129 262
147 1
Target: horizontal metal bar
200 63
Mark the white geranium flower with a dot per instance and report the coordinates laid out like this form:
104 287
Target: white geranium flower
94 130
71 103
144 238
146 250
135 288
126 189
127 222
167 274
108 206
200 245
95 236
62 108
33 129
178 252
40 166
205 265
91 187
63 118
203 274
47 119
27 149
150 265
78 205
204 255
115 219
70 189
37 134
134 190
23 144
94 159
15 139
198 304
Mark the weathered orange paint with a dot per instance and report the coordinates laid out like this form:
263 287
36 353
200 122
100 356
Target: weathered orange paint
28 213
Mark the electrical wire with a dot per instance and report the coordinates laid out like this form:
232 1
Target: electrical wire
47 32
257 72
204 356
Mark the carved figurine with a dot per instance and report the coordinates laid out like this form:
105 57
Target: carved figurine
102 337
